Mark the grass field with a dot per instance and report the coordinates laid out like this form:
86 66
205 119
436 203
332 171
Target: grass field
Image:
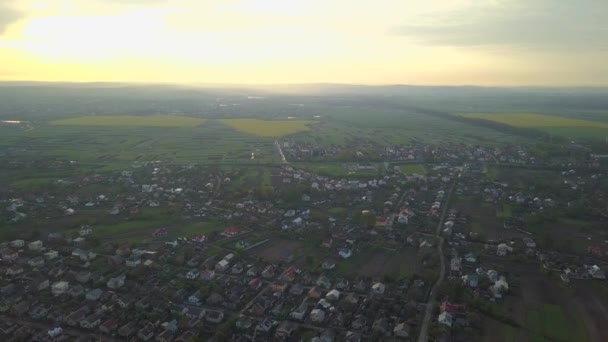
201 228
504 212
491 172
149 218
413 168
131 121
549 322
557 125
535 120
268 128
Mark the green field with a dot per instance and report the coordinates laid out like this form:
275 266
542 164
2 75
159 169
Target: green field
491 172
150 218
201 228
549 322
549 123
504 212
476 227
268 128
131 121
114 147
413 169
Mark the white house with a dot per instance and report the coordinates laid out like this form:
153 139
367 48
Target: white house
35 245
333 295
193 274
445 318
222 265
50 255
503 249
345 253
529 243
36 261
85 230
55 332
378 288
116 282
195 298
59 288
133 261
317 315
17 243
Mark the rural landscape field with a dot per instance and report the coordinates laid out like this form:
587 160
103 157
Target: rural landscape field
382 218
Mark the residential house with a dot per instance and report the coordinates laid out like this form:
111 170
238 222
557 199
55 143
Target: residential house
128 330
147 332
83 276
17 243
125 301
37 261
378 288
503 249
402 330
268 272
222 265
195 298
208 275
35 245
470 258
323 281
333 295
91 322
471 280
317 315
300 312
214 316
160 233
455 264
133 261
328 264
285 330
529 243
94 295
445 318
345 253
193 274
314 292
59 288
109 326
296 290
9 255
116 282
50 255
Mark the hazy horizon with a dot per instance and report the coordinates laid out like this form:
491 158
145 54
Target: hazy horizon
538 43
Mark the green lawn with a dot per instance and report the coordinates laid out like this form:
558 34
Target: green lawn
504 212
131 121
413 168
549 322
148 219
491 172
201 228
476 227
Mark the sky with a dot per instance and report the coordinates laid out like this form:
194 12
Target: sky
426 42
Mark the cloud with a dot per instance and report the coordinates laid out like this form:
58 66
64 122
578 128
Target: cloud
529 24
8 15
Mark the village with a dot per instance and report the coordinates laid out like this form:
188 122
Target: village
160 252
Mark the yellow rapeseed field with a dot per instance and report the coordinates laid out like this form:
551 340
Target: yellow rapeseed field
535 120
131 121
268 128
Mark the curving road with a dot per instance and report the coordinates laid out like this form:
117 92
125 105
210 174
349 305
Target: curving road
430 305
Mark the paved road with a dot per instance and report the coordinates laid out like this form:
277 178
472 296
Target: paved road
283 160
428 314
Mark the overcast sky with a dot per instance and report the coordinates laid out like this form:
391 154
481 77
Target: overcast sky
481 42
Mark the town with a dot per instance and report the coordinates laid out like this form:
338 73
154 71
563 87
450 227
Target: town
424 243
